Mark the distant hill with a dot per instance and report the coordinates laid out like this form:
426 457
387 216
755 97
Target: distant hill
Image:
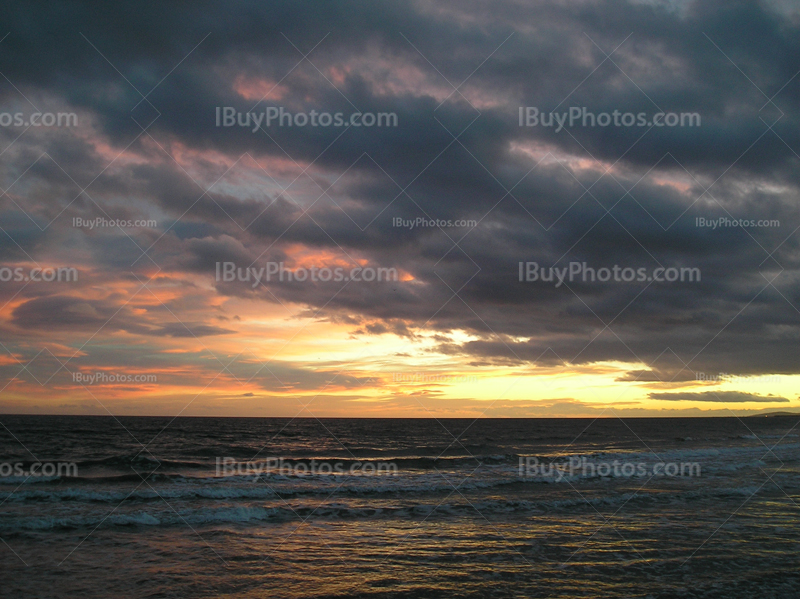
771 414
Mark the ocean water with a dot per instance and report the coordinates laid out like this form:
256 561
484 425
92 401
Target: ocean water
250 507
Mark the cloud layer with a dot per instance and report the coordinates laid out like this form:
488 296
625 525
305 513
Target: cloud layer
146 85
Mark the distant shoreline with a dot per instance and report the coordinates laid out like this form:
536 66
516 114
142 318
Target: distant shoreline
467 418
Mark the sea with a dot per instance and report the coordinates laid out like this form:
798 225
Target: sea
103 506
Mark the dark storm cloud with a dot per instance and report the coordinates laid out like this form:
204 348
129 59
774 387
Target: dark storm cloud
239 369
57 312
447 161
720 397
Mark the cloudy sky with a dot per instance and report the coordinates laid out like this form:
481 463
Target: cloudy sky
441 151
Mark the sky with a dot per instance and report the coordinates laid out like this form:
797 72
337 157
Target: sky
184 178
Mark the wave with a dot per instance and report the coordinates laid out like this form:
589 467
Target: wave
235 489
343 511
138 460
